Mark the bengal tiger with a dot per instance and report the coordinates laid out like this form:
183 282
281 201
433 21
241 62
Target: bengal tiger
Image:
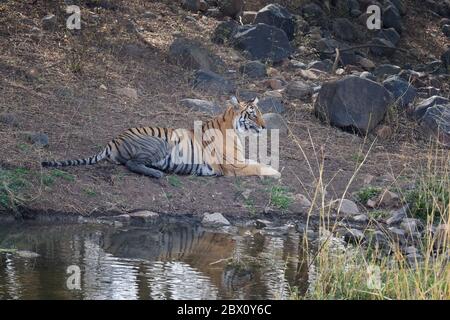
151 151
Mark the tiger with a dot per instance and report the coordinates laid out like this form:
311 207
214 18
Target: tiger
153 151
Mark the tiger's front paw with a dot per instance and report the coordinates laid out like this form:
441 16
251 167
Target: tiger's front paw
271 172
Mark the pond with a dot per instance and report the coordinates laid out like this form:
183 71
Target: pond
170 260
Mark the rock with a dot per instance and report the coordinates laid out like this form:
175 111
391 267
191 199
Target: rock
410 250
278 16
8 119
247 95
248 17
389 34
400 6
39 139
442 236
143 217
347 207
231 8
352 103
201 106
436 123
391 19
214 219
423 106
403 92
397 235
313 13
254 40
128 92
302 200
261 224
446 30
49 22
271 104
27 254
299 90
382 47
254 69
343 29
397 216
191 5
386 70
192 55
122 218
444 21
414 258
379 240
211 82
409 225
388 199
360 218
325 65
367 75
353 236
224 31
445 58
274 84
275 121
366 64
427 92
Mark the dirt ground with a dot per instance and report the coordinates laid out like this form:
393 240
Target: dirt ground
67 85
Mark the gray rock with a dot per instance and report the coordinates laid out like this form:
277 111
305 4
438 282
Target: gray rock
49 22
201 106
446 30
39 139
231 8
313 13
122 218
192 55
401 6
271 104
391 19
254 69
423 106
353 236
386 70
275 121
410 225
445 58
191 5
299 90
278 16
343 29
436 123
397 216
367 75
212 82
27 254
389 34
347 207
247 95
397 235
378 239
353 103
382 47
360 218
8 119
254 40
403 92
215 219
248 17
224 31
143 217
325 65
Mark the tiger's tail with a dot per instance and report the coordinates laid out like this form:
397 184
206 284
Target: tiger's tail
79 162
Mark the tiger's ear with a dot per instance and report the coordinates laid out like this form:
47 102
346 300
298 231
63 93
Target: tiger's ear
256 101
235 104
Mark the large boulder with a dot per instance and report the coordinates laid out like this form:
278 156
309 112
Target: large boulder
254 69
278 16
403 92
436 123
343 29
445 58
224 31
392 19
382 47
192 55
389 34
263 42
353 103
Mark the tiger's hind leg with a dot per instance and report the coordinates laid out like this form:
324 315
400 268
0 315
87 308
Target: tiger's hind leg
140 168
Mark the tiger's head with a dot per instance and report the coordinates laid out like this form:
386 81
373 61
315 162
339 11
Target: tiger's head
249 119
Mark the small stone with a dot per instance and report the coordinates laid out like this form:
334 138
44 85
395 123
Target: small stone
8 119
409 225
360 218
215 219
371 203
347 207
128 92
103 87
275 84
302 200
353 236
143 217
39 139
299 90
366 64
271 104
261 224
398 235
254 69
442 236
397 216
211 82
388 198
201 106
411 250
